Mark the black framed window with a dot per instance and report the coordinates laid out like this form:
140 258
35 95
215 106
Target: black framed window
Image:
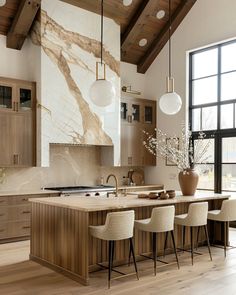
212 109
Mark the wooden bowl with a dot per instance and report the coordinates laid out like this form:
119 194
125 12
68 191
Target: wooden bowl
153 196
171 193
164 196
143 196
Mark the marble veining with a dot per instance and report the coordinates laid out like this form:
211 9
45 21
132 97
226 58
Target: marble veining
68 61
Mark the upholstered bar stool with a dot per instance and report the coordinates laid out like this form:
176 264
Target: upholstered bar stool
196 217
162 220
225 215
118 226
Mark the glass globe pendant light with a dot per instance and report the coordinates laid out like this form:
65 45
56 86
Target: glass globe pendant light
170 103
102 92
2 2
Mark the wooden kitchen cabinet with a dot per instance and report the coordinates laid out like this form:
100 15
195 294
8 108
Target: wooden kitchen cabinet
15 212
137 115
17 123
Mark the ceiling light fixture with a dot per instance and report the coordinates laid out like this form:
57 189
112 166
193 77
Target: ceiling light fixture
160 14
127 2
2 2
102 92
170 103
142 42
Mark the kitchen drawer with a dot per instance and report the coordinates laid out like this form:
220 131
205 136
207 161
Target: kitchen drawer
3 230
20 212
18 229
4 201
3 213
19 200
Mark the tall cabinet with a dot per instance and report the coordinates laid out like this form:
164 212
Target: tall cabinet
17 123
137 115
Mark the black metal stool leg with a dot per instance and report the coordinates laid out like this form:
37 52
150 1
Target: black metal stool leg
173 241
208 242
183 237
225 237
165 246
113 251
154 250
132 251
110 250
191 237
198 232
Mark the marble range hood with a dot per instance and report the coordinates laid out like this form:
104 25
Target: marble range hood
69 46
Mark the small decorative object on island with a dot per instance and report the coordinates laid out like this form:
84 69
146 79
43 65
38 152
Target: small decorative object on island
180 151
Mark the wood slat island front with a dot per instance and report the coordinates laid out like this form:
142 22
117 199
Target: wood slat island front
60 230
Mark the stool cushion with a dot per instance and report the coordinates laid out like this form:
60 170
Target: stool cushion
162 220
227 212
197 215
180 219
118 226
213 215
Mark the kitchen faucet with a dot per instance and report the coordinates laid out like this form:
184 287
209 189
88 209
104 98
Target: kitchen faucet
116 181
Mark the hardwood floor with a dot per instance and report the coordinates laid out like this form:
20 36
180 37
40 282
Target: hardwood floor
20 276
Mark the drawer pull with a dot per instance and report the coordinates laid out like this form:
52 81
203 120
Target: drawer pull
2 230
24 199
25 227
25 212
2 201
2 214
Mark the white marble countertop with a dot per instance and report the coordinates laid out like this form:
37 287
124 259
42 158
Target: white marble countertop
90 204
143 186
26 192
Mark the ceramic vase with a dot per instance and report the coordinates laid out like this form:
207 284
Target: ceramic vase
188 180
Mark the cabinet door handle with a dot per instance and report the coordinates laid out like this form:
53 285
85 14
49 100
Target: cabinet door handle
14 106
15 159
129 118
129 160
25 199
17 106
2 201
25 212
2 230
2 215
25 227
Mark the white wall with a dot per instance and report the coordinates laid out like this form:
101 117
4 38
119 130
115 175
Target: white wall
209 21
130 77
14 63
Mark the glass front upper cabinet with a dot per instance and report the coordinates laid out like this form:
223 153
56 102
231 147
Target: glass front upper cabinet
136 112
6 97
148 114
25 97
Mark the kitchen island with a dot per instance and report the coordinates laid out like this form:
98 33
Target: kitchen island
60 230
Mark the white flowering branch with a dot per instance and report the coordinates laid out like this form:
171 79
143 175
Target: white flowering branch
179 151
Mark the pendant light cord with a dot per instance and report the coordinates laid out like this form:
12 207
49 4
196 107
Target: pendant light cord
101 31
169 38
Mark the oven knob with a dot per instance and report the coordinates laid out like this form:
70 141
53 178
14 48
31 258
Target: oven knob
87 195
97 194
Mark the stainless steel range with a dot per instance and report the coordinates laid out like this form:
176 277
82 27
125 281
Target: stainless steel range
97 190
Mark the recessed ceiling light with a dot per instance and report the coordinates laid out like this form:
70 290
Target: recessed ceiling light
142 42
160 14
127 2
2 2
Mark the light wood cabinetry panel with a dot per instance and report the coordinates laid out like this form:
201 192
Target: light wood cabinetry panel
17 123
15 212
137 115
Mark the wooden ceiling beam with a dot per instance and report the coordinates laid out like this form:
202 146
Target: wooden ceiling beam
136 24
163 37
95 6
22 23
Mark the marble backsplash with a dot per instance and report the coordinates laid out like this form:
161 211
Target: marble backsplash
69 165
